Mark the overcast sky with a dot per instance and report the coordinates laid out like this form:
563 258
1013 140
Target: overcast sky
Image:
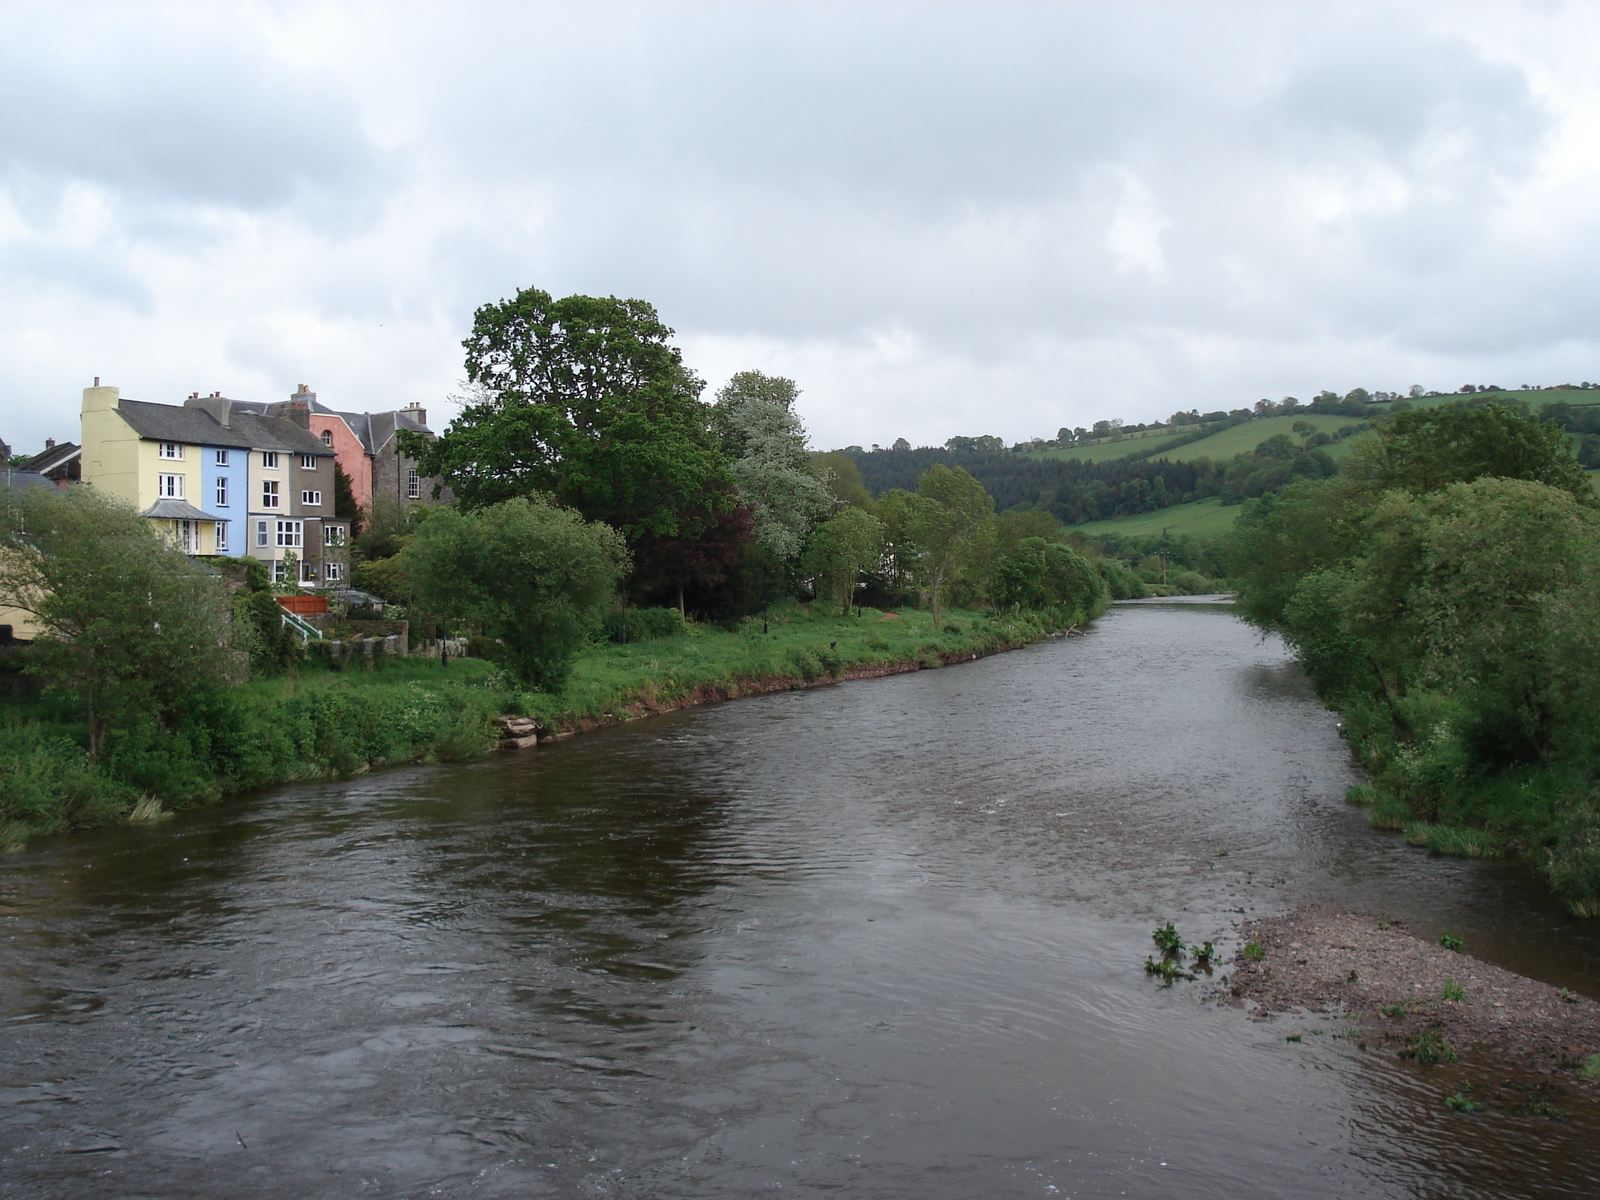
938 218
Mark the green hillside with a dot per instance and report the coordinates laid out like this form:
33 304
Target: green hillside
1202 519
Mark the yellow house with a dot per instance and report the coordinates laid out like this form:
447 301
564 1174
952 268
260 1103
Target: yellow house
152 456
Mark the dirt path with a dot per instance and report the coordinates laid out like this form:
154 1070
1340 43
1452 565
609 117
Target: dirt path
1390 986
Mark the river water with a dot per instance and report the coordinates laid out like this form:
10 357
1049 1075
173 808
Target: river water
876 940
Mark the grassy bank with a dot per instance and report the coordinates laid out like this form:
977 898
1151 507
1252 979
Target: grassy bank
317 723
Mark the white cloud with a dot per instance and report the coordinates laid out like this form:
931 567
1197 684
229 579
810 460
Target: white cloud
939 218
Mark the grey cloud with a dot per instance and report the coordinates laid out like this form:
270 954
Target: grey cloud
185 114
99 272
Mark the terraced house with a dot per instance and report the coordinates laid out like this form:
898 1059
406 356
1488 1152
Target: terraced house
222 478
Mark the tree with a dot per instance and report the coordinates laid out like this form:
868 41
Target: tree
1456 590
131 626
766 443
1427 449
530 575
344 501
842 477
581 399
841 548
950 511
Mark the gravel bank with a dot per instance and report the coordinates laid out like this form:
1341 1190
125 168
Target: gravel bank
1367 968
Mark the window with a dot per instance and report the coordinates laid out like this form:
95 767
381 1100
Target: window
311 498
327 437
222 458
308 462
332 572
170 450
278 573
289 534
169 487
261 533
333 535
269 459
188 536
269 493
222 491
222 537
413 483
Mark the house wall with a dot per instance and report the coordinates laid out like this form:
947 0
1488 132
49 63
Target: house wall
257 511
352 457
237 473
110 446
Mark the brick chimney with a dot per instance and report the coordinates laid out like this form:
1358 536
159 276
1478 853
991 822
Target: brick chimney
417 413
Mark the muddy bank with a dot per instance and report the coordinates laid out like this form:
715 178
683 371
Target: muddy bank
1390 987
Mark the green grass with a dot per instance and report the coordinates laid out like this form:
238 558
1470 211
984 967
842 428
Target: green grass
1199 518
800 644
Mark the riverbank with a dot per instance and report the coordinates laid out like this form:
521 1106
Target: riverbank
786 650
345 717
1396 993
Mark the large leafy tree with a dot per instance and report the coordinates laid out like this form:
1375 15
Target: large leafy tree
947 519
765 440
132 627
584 400
1428 449
841 549
532 576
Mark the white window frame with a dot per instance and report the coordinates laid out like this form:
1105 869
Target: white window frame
333 535
310 498
278 573
169 487
222 458
308 462
170 450
187 536
269 494
413 485
291 535
332 571
327 437
263 535
222 491
220 538
269 459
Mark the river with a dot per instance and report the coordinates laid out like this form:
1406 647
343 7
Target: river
877 940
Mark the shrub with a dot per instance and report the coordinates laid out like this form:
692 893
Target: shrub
644 624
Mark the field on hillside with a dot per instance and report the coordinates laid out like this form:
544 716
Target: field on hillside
1240 439
1107 450
1207 518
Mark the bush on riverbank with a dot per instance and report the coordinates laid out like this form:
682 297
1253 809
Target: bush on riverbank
1441 595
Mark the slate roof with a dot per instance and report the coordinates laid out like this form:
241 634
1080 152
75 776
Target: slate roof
52 458
373 430
19 480
246 430
177 510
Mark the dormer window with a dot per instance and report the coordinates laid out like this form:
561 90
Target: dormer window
170 450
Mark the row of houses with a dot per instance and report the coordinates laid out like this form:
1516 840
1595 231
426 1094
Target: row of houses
229 478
